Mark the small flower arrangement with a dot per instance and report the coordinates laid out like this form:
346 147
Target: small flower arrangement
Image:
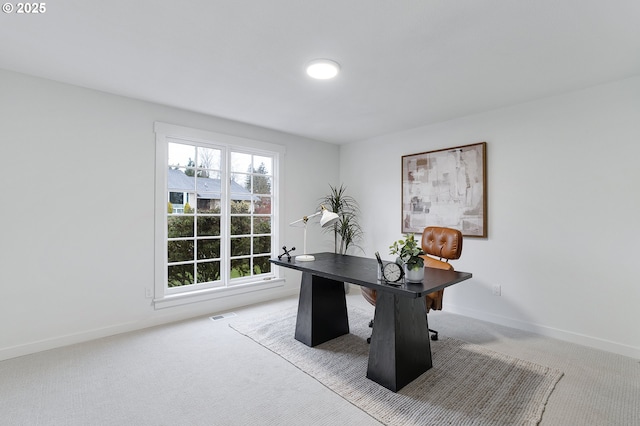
408 251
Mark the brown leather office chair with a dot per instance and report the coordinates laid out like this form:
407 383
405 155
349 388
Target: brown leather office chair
440 245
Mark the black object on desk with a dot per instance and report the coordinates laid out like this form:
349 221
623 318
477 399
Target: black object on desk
400 349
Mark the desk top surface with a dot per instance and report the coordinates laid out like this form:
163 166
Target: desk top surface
364 272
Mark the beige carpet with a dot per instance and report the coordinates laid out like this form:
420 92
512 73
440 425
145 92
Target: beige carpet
468 385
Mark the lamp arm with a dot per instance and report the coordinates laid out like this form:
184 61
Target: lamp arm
305 219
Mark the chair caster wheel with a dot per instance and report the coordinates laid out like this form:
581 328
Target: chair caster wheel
369 340
434 337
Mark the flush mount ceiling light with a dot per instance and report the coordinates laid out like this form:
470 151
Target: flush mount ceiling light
323 69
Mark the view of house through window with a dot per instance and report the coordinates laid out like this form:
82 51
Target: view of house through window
219 214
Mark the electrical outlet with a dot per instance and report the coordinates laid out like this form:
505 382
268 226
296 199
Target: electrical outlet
496 290
148 293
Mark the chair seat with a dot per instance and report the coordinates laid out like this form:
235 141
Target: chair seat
432 300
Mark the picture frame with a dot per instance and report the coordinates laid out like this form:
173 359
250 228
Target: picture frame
446 187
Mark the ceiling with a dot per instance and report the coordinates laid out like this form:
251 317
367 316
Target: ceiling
405 63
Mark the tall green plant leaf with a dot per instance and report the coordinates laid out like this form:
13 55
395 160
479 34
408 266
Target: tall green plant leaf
346 231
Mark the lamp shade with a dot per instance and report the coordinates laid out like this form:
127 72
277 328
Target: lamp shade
328 218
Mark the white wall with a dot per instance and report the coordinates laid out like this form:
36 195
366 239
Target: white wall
77 174
563 206
563 203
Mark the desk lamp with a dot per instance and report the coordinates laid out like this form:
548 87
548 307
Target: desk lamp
328 218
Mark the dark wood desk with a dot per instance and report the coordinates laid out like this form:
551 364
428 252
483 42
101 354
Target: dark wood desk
400 349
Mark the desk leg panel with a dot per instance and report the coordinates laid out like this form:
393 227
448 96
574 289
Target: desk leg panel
322 310
400 349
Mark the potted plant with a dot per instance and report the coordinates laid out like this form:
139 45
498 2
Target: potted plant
409 251
346 231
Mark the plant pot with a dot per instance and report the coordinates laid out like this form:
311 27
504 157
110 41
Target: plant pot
415 275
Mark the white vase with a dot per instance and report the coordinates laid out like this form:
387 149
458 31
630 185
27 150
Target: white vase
414 275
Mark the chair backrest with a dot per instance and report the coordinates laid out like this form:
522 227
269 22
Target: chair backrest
443 243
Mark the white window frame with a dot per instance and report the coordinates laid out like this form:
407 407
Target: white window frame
167 297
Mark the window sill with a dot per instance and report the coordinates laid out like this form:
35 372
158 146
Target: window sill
215 293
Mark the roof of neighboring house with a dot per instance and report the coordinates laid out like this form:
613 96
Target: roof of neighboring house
207 188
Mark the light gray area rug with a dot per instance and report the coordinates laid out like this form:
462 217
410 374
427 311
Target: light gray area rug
468 385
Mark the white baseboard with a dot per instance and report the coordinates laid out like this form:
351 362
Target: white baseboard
581 339
167 317
68 339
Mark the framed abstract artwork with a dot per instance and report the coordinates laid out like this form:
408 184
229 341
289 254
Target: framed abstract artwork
448 188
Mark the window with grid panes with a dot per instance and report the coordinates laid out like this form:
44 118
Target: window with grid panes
220 214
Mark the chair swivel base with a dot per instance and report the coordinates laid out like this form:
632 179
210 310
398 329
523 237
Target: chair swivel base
434 336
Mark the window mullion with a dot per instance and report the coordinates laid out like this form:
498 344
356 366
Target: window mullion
225 219
195 223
